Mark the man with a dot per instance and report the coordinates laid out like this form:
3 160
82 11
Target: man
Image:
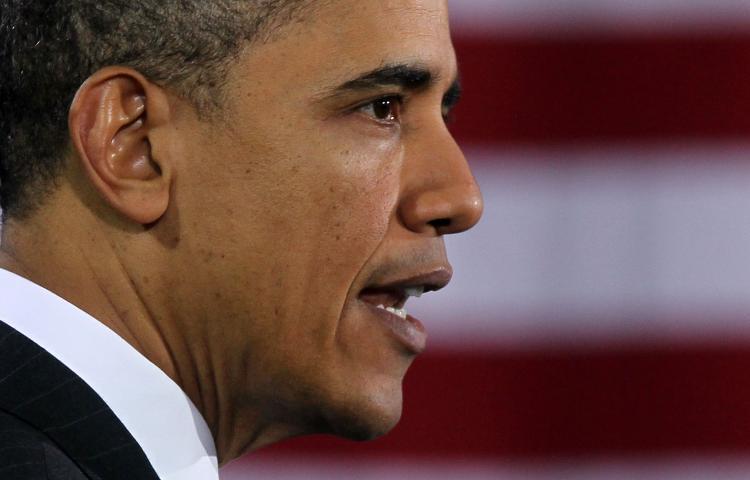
242 194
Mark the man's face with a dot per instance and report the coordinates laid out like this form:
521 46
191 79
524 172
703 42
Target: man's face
321 193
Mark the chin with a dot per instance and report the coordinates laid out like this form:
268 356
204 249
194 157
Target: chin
367 417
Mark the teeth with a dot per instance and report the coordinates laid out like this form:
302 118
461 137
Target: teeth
401 312
414 291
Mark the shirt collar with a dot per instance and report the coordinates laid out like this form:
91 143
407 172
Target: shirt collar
157 413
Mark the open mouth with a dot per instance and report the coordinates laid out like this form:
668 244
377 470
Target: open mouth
388 300
391 296
391 299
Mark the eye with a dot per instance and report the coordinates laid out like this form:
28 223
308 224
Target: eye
386 109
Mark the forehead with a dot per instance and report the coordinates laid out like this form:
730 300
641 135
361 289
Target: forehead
340 38
395 19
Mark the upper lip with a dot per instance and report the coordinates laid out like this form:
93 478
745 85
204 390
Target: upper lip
393 292
434 280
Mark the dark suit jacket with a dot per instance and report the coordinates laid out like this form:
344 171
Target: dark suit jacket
53 426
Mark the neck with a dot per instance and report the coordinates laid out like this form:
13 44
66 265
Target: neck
86 271
90 267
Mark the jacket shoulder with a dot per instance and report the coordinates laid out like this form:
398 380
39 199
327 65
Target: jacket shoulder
28 454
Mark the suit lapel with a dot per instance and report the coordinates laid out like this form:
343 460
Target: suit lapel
40 390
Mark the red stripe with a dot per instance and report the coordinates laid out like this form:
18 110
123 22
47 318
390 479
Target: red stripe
648 401
603 89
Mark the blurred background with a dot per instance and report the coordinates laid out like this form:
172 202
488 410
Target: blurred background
598 325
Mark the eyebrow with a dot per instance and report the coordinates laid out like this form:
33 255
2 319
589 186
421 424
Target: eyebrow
409 77
406 76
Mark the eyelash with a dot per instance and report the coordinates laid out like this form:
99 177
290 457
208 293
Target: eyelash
448 116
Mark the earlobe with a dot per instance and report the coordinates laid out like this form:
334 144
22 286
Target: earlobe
111 122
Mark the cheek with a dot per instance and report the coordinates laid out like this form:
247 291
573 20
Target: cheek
361 208
291 230
360 213
369 186
346 216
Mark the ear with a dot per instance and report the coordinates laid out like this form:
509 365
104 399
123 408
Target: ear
112 122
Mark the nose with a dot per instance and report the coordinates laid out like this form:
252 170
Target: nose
440 193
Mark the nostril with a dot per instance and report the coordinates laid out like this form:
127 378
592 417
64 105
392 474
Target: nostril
440 223
442 209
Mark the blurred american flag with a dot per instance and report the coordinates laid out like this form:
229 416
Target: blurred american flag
598 325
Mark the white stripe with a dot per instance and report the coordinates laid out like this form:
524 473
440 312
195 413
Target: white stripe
601 244
300 468
560 16
585 245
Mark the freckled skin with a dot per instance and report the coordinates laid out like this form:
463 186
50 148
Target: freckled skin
280 212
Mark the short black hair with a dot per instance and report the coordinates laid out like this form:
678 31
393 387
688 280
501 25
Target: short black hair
49 48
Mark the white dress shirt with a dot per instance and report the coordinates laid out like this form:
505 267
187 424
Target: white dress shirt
161 418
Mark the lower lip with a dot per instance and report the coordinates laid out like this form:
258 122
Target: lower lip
408 331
